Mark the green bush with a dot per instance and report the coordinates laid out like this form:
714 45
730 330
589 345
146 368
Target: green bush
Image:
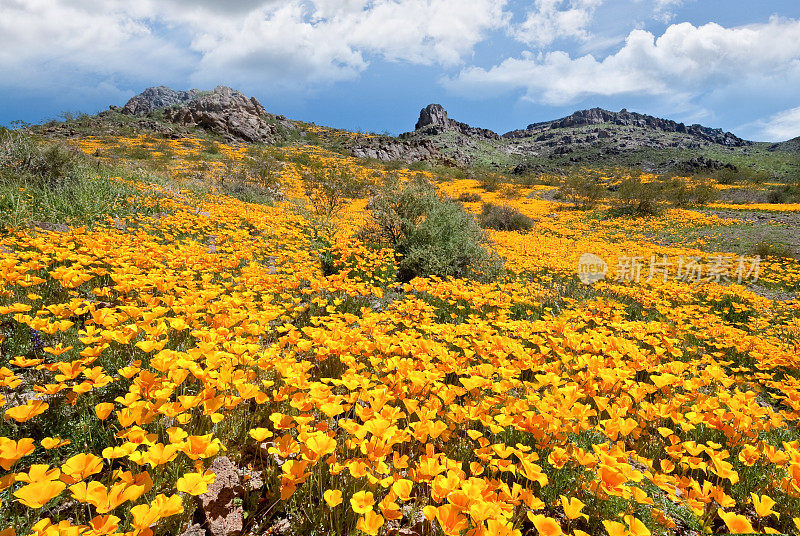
768 248
784 194
504 218
27 163
581 190
640 198
430 234
679 192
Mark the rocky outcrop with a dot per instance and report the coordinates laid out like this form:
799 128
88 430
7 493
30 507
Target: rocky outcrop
228 113
597 116
386 149
433 120
224 515
224 111
154 98
701 164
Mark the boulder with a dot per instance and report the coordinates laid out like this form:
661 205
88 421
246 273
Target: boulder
223 515
228 113
154 98
433 120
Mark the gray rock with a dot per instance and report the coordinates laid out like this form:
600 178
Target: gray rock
228 113
223 514
599 116
154 98
415 150
433 120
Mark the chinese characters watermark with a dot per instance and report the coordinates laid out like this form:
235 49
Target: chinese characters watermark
689 269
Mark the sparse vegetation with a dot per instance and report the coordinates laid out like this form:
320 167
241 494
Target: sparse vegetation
55 184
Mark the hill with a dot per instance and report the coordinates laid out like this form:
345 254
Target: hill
599 137
595 138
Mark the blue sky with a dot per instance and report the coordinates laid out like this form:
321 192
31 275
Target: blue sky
372 64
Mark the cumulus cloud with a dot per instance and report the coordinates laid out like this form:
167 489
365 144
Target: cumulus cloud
550 20
43 42
685 60
267 42
329 40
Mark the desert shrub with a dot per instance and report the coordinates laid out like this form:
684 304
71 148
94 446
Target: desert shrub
511 191
680 192
639 197
504 218
741 174
55 184
469 197
330 188
784 194
768 248
704 193
581 190
25 162
264 169
247 180
430 234
490 182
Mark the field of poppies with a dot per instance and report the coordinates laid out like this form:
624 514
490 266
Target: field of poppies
210 329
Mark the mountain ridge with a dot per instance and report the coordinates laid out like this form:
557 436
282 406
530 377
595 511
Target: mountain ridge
433 119
593 137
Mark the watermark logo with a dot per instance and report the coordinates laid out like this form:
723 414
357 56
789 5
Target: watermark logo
591 268
716 268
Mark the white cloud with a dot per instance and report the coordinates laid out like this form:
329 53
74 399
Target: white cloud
44 42
663 9
781 126
243 42
685 61
334 40
550 20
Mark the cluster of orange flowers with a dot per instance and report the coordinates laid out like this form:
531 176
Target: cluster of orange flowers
133 354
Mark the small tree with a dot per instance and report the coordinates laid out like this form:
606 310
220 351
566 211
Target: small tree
329 188
581 190
639 197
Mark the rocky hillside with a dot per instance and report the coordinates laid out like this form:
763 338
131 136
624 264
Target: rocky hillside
792 145
594 137
599 137
598 116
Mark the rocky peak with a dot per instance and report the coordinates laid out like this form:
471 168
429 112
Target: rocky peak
433 114
223 111
226 112
596 116
433 120
154 98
